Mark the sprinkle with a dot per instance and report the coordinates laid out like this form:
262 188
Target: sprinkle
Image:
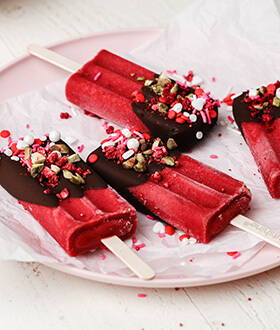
199 135
161 235
158 228
97 76
15 158
139 246
80 148
184 236
27 126
64 115
134 240
171 71
238 254
92 158
213 79
231 119
149 217
141 295
140 98
203 116
213 156
169 230
102 257
5 133
192 240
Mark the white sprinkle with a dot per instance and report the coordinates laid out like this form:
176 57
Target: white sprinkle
43 138
192 240
252 92
54 136
158 228
21 145
199 135
128 154
107 144
193 117
196 80
222 123
8 152
277 93
126 132
29 139
183 263
15 158
132 144
198 104
185 241
177 107
70 139
186 114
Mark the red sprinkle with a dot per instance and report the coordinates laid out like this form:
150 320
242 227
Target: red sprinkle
180 120
171 114
232 253
228 100
147 136
149 217
198 91
92 158
140 98
64 115
169 230
270 88
183 236
5 133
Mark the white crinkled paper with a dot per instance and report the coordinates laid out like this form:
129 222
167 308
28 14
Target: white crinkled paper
237 42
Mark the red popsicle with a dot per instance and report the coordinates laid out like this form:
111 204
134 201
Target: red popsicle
257 114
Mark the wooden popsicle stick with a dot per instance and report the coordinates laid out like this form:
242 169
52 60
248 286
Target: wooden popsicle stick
255 228
128 257
54 58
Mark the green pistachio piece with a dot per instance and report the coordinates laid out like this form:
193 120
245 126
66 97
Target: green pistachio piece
73 158
61 148
140 158
133 74
74 178
55 168
139 167
163 80
276 102
168 161
36 169
141 78
148 152
148 82
81 179
128 164
27 153
171 144
261 90
37 158
156 143
163 108
174 89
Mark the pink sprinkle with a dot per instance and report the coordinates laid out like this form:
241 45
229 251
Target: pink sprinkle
102 257
141 295
27 126
179 83
139 134
81 148
134 240
139 246
149 217
161 235
97 76
171 71
208 116
203 116
230 119
236 255
213 156
213 79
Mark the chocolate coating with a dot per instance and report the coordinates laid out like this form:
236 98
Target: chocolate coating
18 182
160 125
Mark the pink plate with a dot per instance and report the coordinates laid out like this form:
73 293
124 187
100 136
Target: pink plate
18 77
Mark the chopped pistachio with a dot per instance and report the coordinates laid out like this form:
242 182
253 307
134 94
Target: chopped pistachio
133 74
140 167
276 101
128 164
163 80
262 90
37 158
35 169
171 144
190 95
168 161
60 147
180 97
148 82
148 152
73 158
162 107
156 143
174 89
74 178
141 78
140 158
55 168
27 153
